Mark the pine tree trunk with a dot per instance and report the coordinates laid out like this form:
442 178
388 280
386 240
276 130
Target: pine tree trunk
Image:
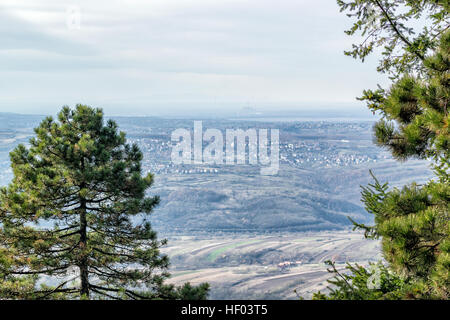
83 245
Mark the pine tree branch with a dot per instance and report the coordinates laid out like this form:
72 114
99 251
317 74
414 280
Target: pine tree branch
69 234
36 272
396 30
57 290
114 254
104 294
134 294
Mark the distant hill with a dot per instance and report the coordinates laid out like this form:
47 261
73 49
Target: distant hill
323 165
18 121
295 200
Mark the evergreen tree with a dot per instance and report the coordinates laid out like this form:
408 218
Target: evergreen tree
403 31
76 213
412 222
360 283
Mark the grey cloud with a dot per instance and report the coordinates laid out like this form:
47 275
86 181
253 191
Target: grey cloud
128 52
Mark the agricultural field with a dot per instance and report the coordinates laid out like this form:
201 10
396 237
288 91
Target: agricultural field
273 266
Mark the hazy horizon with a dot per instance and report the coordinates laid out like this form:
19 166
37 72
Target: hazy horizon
174 57
285 115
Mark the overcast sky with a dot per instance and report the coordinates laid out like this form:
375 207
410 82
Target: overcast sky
160 57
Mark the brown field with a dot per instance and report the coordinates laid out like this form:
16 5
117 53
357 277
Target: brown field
247 266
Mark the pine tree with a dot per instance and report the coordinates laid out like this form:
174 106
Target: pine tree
359 283
74 220
412 222
415 113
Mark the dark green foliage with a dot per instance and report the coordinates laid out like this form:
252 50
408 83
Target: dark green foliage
188 292
358 283
412 222
77 212
415 111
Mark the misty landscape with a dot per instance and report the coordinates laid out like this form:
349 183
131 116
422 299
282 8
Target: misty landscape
224 159
249 235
